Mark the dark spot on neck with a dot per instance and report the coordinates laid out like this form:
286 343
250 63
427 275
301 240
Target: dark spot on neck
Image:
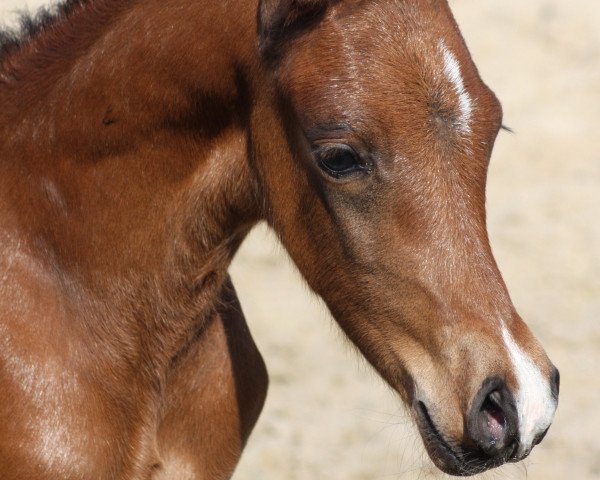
109 118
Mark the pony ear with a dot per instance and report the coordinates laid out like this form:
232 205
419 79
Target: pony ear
278 20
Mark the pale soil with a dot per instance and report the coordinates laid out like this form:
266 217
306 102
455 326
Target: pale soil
328 416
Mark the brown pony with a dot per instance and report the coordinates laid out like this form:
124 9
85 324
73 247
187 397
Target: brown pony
140 141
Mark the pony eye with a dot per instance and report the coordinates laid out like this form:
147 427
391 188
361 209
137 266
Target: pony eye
339 161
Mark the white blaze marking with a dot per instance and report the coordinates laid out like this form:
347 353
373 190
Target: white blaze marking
535 404
452 71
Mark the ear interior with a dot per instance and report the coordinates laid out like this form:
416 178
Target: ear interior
280 20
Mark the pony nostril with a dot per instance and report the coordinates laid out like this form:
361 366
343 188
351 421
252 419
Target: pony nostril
492 422
494 414
555 383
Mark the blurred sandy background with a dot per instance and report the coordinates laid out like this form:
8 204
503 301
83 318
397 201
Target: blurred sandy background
328 416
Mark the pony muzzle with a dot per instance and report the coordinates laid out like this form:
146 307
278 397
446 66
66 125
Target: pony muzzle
493 432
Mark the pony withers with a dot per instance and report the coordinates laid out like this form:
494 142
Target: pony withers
142 140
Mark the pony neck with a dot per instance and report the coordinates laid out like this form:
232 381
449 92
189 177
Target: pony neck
124 159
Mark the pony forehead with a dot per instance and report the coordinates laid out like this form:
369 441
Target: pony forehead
453 73
380 53
420 87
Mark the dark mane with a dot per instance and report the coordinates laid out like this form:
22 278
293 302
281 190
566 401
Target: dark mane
31 25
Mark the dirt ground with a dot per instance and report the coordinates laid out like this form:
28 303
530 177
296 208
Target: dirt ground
328 416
